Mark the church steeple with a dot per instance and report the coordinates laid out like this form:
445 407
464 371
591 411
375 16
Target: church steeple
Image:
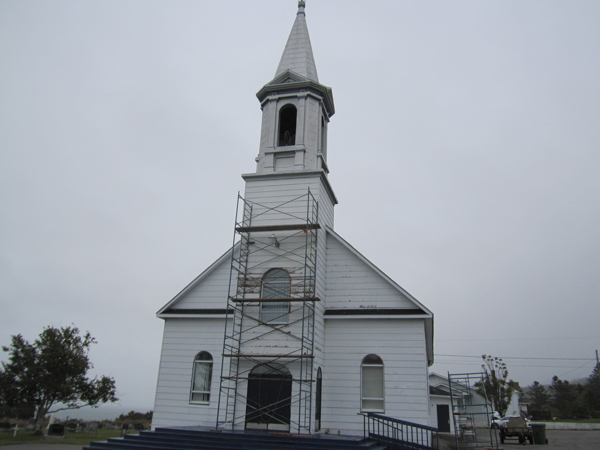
296 110
298 56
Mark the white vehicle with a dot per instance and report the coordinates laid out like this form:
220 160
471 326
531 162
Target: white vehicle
498 422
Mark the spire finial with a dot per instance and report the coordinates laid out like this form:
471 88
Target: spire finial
301 6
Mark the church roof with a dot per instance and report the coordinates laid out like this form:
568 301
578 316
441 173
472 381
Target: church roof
421 310
298 55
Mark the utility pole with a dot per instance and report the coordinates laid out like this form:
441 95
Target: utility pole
597 361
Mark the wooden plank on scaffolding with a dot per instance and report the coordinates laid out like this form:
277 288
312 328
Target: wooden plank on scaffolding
298 226
250 355
280 300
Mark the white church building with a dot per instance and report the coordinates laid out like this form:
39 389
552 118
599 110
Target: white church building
292 329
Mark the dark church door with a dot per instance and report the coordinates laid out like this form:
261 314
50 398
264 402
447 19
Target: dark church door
443 418
268 404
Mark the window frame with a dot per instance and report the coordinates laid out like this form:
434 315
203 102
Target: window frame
364 365
199 362
283 312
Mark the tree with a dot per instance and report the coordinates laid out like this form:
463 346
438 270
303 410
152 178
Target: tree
134 416
537 396
592 391
52 372
495 385
563 395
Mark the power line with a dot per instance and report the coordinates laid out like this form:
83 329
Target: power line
519 357
552 366
521 339
567 373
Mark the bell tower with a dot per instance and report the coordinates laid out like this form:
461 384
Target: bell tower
274 335
296 110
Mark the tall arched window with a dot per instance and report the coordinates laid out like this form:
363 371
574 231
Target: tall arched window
275 284
201 378
371 384
287 126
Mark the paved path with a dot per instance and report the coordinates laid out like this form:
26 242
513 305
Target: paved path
40 447
557 440
572 440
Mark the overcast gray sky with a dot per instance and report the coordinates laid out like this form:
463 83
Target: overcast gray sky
465 154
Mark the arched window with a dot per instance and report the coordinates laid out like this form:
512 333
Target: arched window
275 284
287 126
201 378
371 384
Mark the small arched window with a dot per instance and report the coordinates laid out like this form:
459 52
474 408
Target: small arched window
287 126
371 384
201 378
275 285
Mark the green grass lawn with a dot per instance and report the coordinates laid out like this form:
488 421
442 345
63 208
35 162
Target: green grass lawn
82 438
574 421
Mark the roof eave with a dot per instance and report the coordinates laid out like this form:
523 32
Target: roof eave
325 92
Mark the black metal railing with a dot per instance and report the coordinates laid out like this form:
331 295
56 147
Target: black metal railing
399 434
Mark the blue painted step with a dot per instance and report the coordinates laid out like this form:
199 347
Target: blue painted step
198 439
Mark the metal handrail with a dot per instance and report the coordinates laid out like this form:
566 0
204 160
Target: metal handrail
399 434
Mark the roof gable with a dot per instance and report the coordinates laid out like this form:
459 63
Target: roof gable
206 294
345 263
287 76
355 283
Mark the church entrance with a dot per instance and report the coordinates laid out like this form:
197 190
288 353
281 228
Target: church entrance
268 404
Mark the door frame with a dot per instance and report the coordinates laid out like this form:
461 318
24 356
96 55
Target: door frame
271 382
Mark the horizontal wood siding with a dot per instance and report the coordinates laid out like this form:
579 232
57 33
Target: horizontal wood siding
210 292
272 192
351 283
182 340
401 345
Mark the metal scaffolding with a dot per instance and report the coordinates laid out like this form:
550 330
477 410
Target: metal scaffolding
270 325
471 411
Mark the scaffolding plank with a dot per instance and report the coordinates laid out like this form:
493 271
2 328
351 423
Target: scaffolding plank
280 300
250 355
297 226
270 379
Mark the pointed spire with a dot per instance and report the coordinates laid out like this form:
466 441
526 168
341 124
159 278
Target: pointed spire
298 55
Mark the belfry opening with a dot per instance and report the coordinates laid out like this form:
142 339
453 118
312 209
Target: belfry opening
287 126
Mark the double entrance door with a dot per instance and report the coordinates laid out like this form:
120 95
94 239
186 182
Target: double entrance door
268 403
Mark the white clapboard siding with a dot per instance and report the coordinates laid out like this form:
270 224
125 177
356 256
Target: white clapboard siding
208 290
405 370
353 283
183 339
211 292
275 191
